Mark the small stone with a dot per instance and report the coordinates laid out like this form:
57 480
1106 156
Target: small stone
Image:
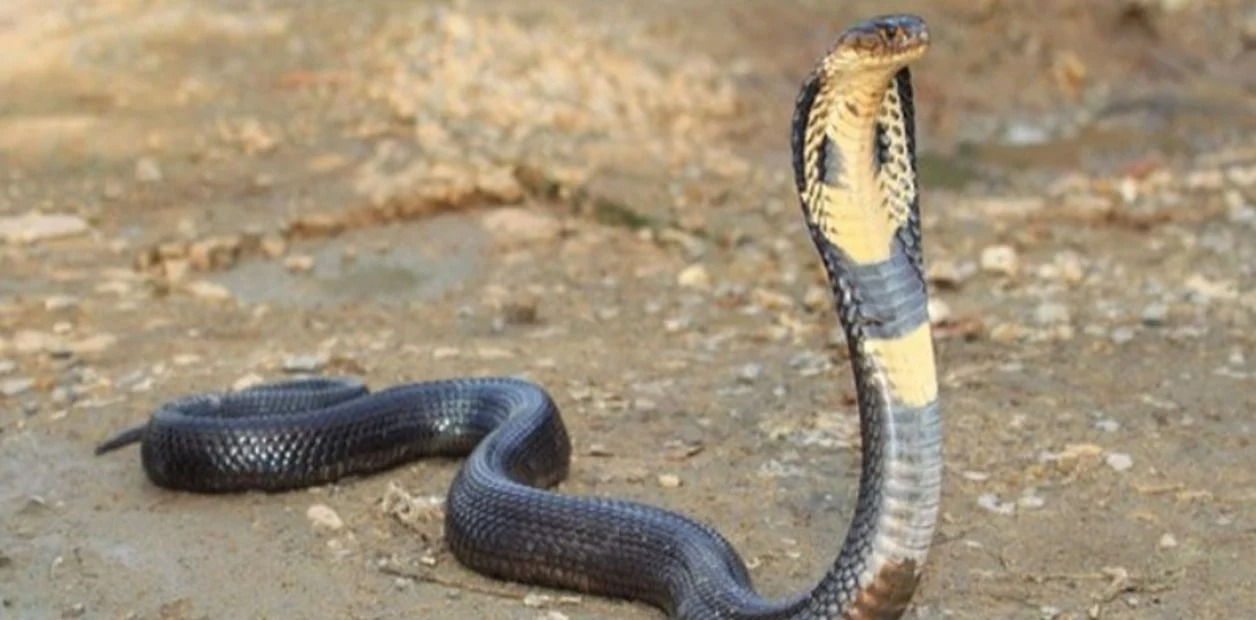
1108 425
1122 335
533 599
990 501
1051 313
939 311
40 227
694 276
247 381
205 289
1119 461
299 263
93 344
669 481
749 373
304 363
55 303
816 298
147 170
947 273
324 518
1155 315
1000 259
273 246
16 386
7 366
644 405
31 341
1168 541
518 226
1031 502
444 353
600 450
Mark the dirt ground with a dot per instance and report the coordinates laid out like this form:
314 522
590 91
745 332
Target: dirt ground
202 194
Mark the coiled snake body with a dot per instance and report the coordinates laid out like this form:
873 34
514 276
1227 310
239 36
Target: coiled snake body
854 162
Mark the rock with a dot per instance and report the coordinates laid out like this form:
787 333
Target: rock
519 225
16 386
1119 461
31 341
322 517
1108 425
272 246
208 290
33 227
247 381
55 303
299 263
1168 541
669 481
939 311
214 253
749 373
147 170
7 366
694 276
1051 313
304 363
1000 259
990 502
1122 335
92 344
1155 315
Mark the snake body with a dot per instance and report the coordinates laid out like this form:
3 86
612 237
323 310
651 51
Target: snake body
853 146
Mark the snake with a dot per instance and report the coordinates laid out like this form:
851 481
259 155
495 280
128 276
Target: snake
853 143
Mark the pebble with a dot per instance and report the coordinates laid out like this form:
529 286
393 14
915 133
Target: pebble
1122 335
247 381
92 344
1051 313
1000 259
204 289
1108 425
324 518
40 226
147 170
1155 315
7 366
299 263
1119 461
518 225
669 481
1168 541
55 303
939 311
16 386
990 501
694 276
304 363
749 373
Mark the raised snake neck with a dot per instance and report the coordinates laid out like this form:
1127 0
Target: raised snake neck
854 163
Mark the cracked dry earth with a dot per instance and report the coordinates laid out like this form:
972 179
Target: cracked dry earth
198 195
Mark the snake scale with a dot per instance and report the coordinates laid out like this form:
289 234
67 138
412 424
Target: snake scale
853 145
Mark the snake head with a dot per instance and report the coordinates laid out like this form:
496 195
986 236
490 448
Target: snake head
886 43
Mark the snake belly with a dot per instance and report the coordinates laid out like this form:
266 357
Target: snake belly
853 144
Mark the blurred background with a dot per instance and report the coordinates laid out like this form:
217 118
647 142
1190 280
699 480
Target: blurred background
203 194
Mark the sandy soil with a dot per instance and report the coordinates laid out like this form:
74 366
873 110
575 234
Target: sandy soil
201 194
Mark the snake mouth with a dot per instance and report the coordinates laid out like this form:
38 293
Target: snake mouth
888 41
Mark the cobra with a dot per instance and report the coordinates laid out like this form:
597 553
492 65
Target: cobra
853 143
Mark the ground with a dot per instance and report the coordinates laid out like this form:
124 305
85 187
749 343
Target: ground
196 195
